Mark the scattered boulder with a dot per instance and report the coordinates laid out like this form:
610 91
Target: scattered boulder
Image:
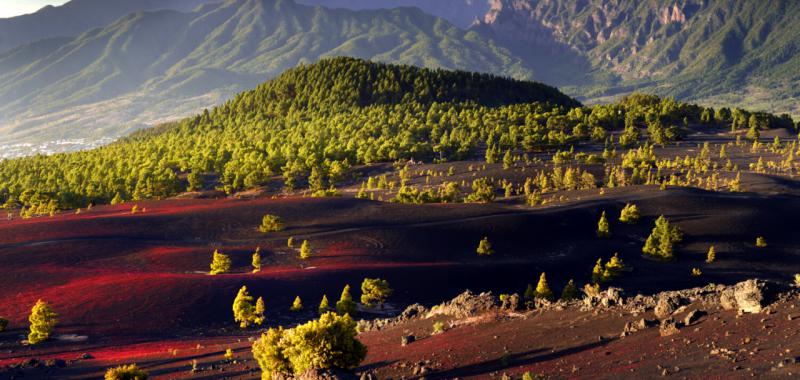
750 296
510 302
669 327
466 304
407 339
693 317
665 306
645 324
727 299
609 297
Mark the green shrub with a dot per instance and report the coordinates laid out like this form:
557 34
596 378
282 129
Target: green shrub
327 343
271 223
346 305
438 327
220 263
629 214
485 247
761 242
375 291
126 372
603 228
42 320
660 242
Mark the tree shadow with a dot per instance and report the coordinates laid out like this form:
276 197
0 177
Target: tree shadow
514 360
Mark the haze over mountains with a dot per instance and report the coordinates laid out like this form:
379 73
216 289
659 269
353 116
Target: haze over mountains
60 78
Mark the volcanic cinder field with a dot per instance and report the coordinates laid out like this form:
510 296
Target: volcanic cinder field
134 287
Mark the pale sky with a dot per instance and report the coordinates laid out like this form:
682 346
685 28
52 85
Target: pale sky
11 8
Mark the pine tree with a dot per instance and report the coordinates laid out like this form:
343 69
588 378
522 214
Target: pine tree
345 305
257 260
243 309
629 214
603 228
271 223
508 160
42 320
323 305
543 290
305 250
761 242
220 263
597 272
258 316
530 293
660 242
290 242
297 305
484 247
711 256
375 291
613 268
117 199
570 292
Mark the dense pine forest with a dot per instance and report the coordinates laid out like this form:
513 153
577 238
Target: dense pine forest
314 122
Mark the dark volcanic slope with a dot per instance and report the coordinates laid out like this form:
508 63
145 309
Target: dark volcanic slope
106 268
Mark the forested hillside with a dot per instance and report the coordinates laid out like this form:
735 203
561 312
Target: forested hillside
148 66
310 125
322 117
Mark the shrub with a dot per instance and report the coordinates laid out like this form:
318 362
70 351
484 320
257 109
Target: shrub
797 280
543 290
613 268
482 191
629 214
438 327
257 260
375 291
327 343
290 242
245 312
126 372
485 247
660 242
761 242
3 324
711 256
271 223
345 305
220 263
597 272
305 250
603 228
696 272
323 305
297 305
570 292
42 320
229 354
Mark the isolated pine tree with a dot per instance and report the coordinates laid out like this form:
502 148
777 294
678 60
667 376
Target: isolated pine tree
485 247
345 305
374 291
220 263
243 309
305 250
508 160
323 305
271 223
258 314
530 293
761 242
597 272
42 320
603 228
711 256
629 214
297 305
660 242
257 260
570 292
543 290
290 242
613 268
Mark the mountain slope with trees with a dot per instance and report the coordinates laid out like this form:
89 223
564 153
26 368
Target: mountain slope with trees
308 125
733 51
151 65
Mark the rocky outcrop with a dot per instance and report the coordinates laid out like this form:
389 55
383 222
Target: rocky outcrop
465 305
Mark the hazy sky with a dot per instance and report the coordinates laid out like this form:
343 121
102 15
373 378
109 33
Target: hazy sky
10 8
